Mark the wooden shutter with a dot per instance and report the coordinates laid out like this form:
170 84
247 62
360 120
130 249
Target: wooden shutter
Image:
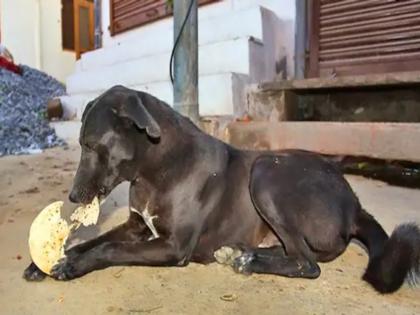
350 37
84 28
128 14
67 24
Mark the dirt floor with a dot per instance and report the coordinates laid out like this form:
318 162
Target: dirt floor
28 183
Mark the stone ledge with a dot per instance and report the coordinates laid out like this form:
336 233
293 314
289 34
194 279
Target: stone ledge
372 80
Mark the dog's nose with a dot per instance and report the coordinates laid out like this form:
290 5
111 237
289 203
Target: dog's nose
73 196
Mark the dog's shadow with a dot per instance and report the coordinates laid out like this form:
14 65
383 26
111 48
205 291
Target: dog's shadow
114 211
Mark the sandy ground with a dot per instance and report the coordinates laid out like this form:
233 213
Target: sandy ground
28 183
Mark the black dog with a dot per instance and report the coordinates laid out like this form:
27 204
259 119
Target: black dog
192 194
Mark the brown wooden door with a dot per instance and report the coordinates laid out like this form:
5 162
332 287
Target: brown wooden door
84 27
349 37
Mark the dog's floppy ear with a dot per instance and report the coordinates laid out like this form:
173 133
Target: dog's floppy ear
133 109
87 109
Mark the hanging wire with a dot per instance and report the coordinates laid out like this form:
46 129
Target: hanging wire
177 41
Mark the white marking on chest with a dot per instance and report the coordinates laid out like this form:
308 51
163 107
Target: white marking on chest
148 219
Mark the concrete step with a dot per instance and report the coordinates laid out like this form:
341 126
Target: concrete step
397 141
236 55
67 130
213 29
219 94
232 54
390 97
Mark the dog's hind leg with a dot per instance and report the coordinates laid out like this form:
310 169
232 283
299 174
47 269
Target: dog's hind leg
274 261
280 212
271 260
295 259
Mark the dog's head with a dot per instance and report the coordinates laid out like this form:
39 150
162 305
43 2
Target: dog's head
114 126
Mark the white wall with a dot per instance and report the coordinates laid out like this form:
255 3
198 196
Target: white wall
54 60
284 34
284 9
19 30
31 30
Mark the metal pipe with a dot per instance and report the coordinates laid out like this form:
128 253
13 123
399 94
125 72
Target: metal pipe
186 60
98 23
300 38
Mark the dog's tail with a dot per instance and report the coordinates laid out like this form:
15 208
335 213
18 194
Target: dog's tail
391 259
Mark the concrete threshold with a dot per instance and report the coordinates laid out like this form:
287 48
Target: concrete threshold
393 141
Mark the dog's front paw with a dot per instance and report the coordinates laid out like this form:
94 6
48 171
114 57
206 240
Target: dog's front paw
242 264
33 273
64 270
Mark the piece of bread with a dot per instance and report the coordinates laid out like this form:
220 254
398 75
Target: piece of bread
49 232
87 215
47 237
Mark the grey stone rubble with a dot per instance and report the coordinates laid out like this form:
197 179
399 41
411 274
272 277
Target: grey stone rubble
24 128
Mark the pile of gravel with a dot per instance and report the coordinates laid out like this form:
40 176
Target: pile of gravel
23 103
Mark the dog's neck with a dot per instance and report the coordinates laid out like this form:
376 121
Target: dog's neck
170 158
177 151
171 164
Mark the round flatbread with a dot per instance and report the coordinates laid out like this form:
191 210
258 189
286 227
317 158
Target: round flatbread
47 237
49 232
